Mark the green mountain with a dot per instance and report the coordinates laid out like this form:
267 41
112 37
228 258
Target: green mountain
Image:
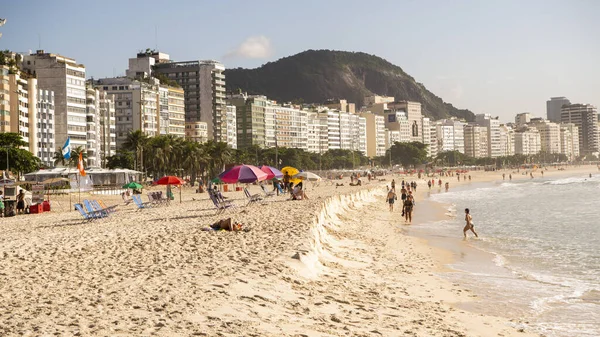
314 76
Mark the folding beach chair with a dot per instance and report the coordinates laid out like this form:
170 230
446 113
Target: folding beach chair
100 203
138 202
252 198
221 206
267 193
90 209
86 216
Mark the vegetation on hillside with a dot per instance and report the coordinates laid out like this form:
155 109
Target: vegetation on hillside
318 75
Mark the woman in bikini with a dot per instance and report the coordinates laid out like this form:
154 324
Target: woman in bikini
469 225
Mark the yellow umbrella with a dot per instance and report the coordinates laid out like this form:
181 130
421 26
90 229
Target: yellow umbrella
292 171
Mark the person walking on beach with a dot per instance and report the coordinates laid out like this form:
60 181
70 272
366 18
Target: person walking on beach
403 195
510 177
503 175
408 208
393 184
391 197
21 202
429 183
469 224
447 186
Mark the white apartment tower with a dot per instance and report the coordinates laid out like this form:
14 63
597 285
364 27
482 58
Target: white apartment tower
549 135
231 126
375 135
507 141
493 133
569 140
45 127
106 114
528 141
66 78
476 141
92 128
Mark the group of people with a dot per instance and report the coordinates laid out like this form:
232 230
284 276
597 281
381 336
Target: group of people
406 197
296 191
22 207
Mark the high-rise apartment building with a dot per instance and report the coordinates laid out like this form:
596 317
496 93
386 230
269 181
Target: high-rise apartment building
493 133
136 106
397 122
527 141
287 126
569 140
433 140
554 108
66 78
45 127
176 110
585 117
376 135
22 100
92 128
476 141
426 134
250 114
413 115
107 127
317 135
196 132
231 126
204 85
549 135
507 141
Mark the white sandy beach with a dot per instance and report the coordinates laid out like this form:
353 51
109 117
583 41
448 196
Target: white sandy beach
337 264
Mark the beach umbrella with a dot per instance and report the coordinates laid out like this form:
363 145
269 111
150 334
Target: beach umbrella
290 170
216 180
243 174
271 172
133 185
171 180
307 176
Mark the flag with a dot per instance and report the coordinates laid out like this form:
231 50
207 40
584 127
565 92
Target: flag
66 149
80 164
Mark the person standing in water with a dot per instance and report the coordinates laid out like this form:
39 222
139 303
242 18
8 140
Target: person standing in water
408 208
390 198
469 224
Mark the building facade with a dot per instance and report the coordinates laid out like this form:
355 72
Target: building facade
196 131
66 78
108 127
376 135
45 127
569 140
585 117
203 83
549 135
92 128
231 126
554 108
492 126
250 124
476 141
528 141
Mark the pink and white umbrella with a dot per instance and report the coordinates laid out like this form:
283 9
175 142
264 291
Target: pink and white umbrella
271 172
243 174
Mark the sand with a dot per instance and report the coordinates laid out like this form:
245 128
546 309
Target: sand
338 264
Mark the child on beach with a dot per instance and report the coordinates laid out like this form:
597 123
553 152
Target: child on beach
469 225
391 197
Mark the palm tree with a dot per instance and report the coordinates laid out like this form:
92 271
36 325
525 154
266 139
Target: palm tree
135 142
59 159
195 161
220 154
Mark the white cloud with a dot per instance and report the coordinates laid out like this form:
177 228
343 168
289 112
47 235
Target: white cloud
254 47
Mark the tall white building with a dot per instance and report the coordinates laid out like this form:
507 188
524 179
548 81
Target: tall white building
66 78
92 114
413 115
136 106
507 141
317 132
549 135
569 140
45 127
426 134
231 121
522 119
289 126
493 133
108 137
528 141
397 122
476 141
433 140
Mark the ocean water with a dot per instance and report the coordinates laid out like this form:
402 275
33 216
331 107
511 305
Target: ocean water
538 255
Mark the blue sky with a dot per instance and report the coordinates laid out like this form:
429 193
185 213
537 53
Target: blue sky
498 57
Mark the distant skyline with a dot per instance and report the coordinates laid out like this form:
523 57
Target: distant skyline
497 57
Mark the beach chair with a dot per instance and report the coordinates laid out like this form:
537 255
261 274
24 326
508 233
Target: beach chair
99 205
91 210
138 202
252 198
86 216
220 205
267 193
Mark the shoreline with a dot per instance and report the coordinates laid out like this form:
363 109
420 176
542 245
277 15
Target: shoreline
156 271
460 251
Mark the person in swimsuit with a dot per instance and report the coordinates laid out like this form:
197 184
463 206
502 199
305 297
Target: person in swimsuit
408 208
403 195
390 198
469 224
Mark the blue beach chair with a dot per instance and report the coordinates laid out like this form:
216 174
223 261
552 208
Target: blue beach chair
138 202
86 216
